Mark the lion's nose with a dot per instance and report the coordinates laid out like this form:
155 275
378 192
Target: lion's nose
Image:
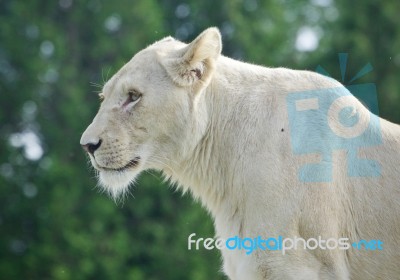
91 147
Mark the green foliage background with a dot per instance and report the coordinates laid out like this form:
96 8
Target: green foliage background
54 223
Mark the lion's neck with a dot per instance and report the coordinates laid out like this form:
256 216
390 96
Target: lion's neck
213 171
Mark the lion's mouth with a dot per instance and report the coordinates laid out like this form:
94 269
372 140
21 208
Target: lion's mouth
131 164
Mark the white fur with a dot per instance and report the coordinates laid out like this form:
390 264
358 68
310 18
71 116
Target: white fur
214 125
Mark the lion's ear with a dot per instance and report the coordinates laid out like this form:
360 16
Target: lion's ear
195 63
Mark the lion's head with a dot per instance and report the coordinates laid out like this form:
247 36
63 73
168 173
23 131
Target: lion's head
152 111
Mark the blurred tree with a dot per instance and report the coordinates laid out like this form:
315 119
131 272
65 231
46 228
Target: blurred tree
53 225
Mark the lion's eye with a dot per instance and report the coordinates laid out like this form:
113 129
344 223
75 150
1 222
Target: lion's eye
133 96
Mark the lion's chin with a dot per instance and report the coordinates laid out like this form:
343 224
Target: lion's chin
116 184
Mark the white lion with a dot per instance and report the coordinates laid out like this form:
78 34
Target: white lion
221 129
